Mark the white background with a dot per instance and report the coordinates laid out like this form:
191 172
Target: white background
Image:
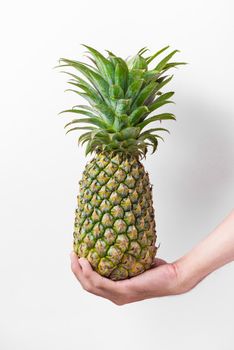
41 304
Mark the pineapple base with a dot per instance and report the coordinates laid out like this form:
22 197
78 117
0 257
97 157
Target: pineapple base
114 222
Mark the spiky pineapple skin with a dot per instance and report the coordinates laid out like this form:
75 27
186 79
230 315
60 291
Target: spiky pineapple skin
114 221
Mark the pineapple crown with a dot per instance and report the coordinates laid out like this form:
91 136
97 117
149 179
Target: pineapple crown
123 96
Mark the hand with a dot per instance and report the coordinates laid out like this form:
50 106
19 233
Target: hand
162 279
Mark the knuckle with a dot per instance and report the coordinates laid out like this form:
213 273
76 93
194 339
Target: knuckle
118 302
86 274
88 287
96 284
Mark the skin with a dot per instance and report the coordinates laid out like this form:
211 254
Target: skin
163 279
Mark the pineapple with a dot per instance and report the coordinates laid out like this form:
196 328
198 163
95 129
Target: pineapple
114 221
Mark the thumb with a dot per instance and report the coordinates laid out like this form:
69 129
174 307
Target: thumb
158 262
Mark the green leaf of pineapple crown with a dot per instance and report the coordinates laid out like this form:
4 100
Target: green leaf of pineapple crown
122 95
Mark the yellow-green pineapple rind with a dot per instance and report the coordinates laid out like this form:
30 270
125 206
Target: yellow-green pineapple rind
114 222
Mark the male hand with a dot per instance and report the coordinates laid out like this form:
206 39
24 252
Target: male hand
161 280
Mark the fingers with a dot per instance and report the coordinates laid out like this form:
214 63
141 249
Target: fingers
83 272
86 268
89 279
75 266
93 283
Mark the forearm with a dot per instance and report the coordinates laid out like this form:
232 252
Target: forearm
213 252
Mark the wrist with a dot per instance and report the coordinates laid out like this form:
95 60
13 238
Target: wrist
186 278
210 254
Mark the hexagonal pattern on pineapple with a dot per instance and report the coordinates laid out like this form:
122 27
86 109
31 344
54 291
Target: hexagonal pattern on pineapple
114 221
